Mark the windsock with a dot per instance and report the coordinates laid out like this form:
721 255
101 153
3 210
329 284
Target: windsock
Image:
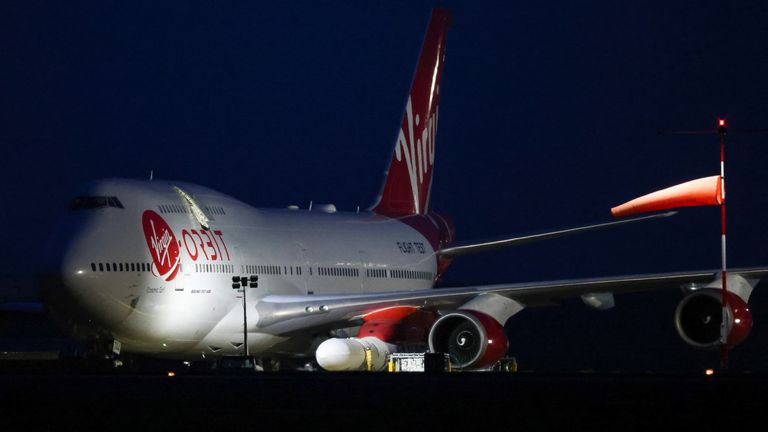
699 192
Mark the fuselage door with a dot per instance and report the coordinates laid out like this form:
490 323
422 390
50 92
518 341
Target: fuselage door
303 269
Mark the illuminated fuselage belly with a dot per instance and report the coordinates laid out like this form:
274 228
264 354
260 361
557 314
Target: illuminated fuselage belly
181 302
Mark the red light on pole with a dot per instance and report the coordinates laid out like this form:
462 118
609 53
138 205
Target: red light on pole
721 126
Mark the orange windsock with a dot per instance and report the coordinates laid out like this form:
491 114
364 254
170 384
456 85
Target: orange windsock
699 192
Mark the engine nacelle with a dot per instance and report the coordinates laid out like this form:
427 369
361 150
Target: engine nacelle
699 315
472 339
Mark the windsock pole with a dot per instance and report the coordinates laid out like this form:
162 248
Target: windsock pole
724 325
699 192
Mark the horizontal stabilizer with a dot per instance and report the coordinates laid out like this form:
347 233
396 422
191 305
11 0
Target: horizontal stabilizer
467 248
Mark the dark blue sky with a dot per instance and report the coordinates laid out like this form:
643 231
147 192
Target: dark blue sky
548 118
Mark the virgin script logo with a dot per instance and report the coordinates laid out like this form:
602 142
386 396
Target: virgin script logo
162 245
419 151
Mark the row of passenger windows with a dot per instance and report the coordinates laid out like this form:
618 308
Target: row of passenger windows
270 270
172 208
119 267
215 210
376 273
214 268
410 274
338 271
177 208
399 274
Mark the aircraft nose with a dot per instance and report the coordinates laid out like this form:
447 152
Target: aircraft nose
74 292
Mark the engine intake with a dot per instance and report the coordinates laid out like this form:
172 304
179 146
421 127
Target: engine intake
699 315
472 339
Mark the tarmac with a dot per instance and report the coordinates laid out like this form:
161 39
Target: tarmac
46 396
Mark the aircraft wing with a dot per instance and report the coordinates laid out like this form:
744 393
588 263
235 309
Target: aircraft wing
284 314
463 248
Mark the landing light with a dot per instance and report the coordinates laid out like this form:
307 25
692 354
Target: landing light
171 374
709 372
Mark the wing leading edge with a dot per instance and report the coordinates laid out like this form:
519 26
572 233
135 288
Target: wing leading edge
474 247
286 314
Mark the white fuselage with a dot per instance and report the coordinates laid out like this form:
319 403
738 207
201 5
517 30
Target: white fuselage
123 276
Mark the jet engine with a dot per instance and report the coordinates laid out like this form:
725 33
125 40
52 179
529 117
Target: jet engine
699 315
472 339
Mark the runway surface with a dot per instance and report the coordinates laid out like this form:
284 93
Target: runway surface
379 401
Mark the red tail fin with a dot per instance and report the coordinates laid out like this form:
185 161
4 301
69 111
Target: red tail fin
409 178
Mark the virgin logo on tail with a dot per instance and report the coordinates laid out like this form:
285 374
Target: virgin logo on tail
162 245
418 150
409 177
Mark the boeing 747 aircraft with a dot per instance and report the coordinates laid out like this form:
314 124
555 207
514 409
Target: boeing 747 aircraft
150 266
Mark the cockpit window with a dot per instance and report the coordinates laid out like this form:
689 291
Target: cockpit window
95 202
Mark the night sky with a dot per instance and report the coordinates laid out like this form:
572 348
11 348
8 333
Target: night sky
549 117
